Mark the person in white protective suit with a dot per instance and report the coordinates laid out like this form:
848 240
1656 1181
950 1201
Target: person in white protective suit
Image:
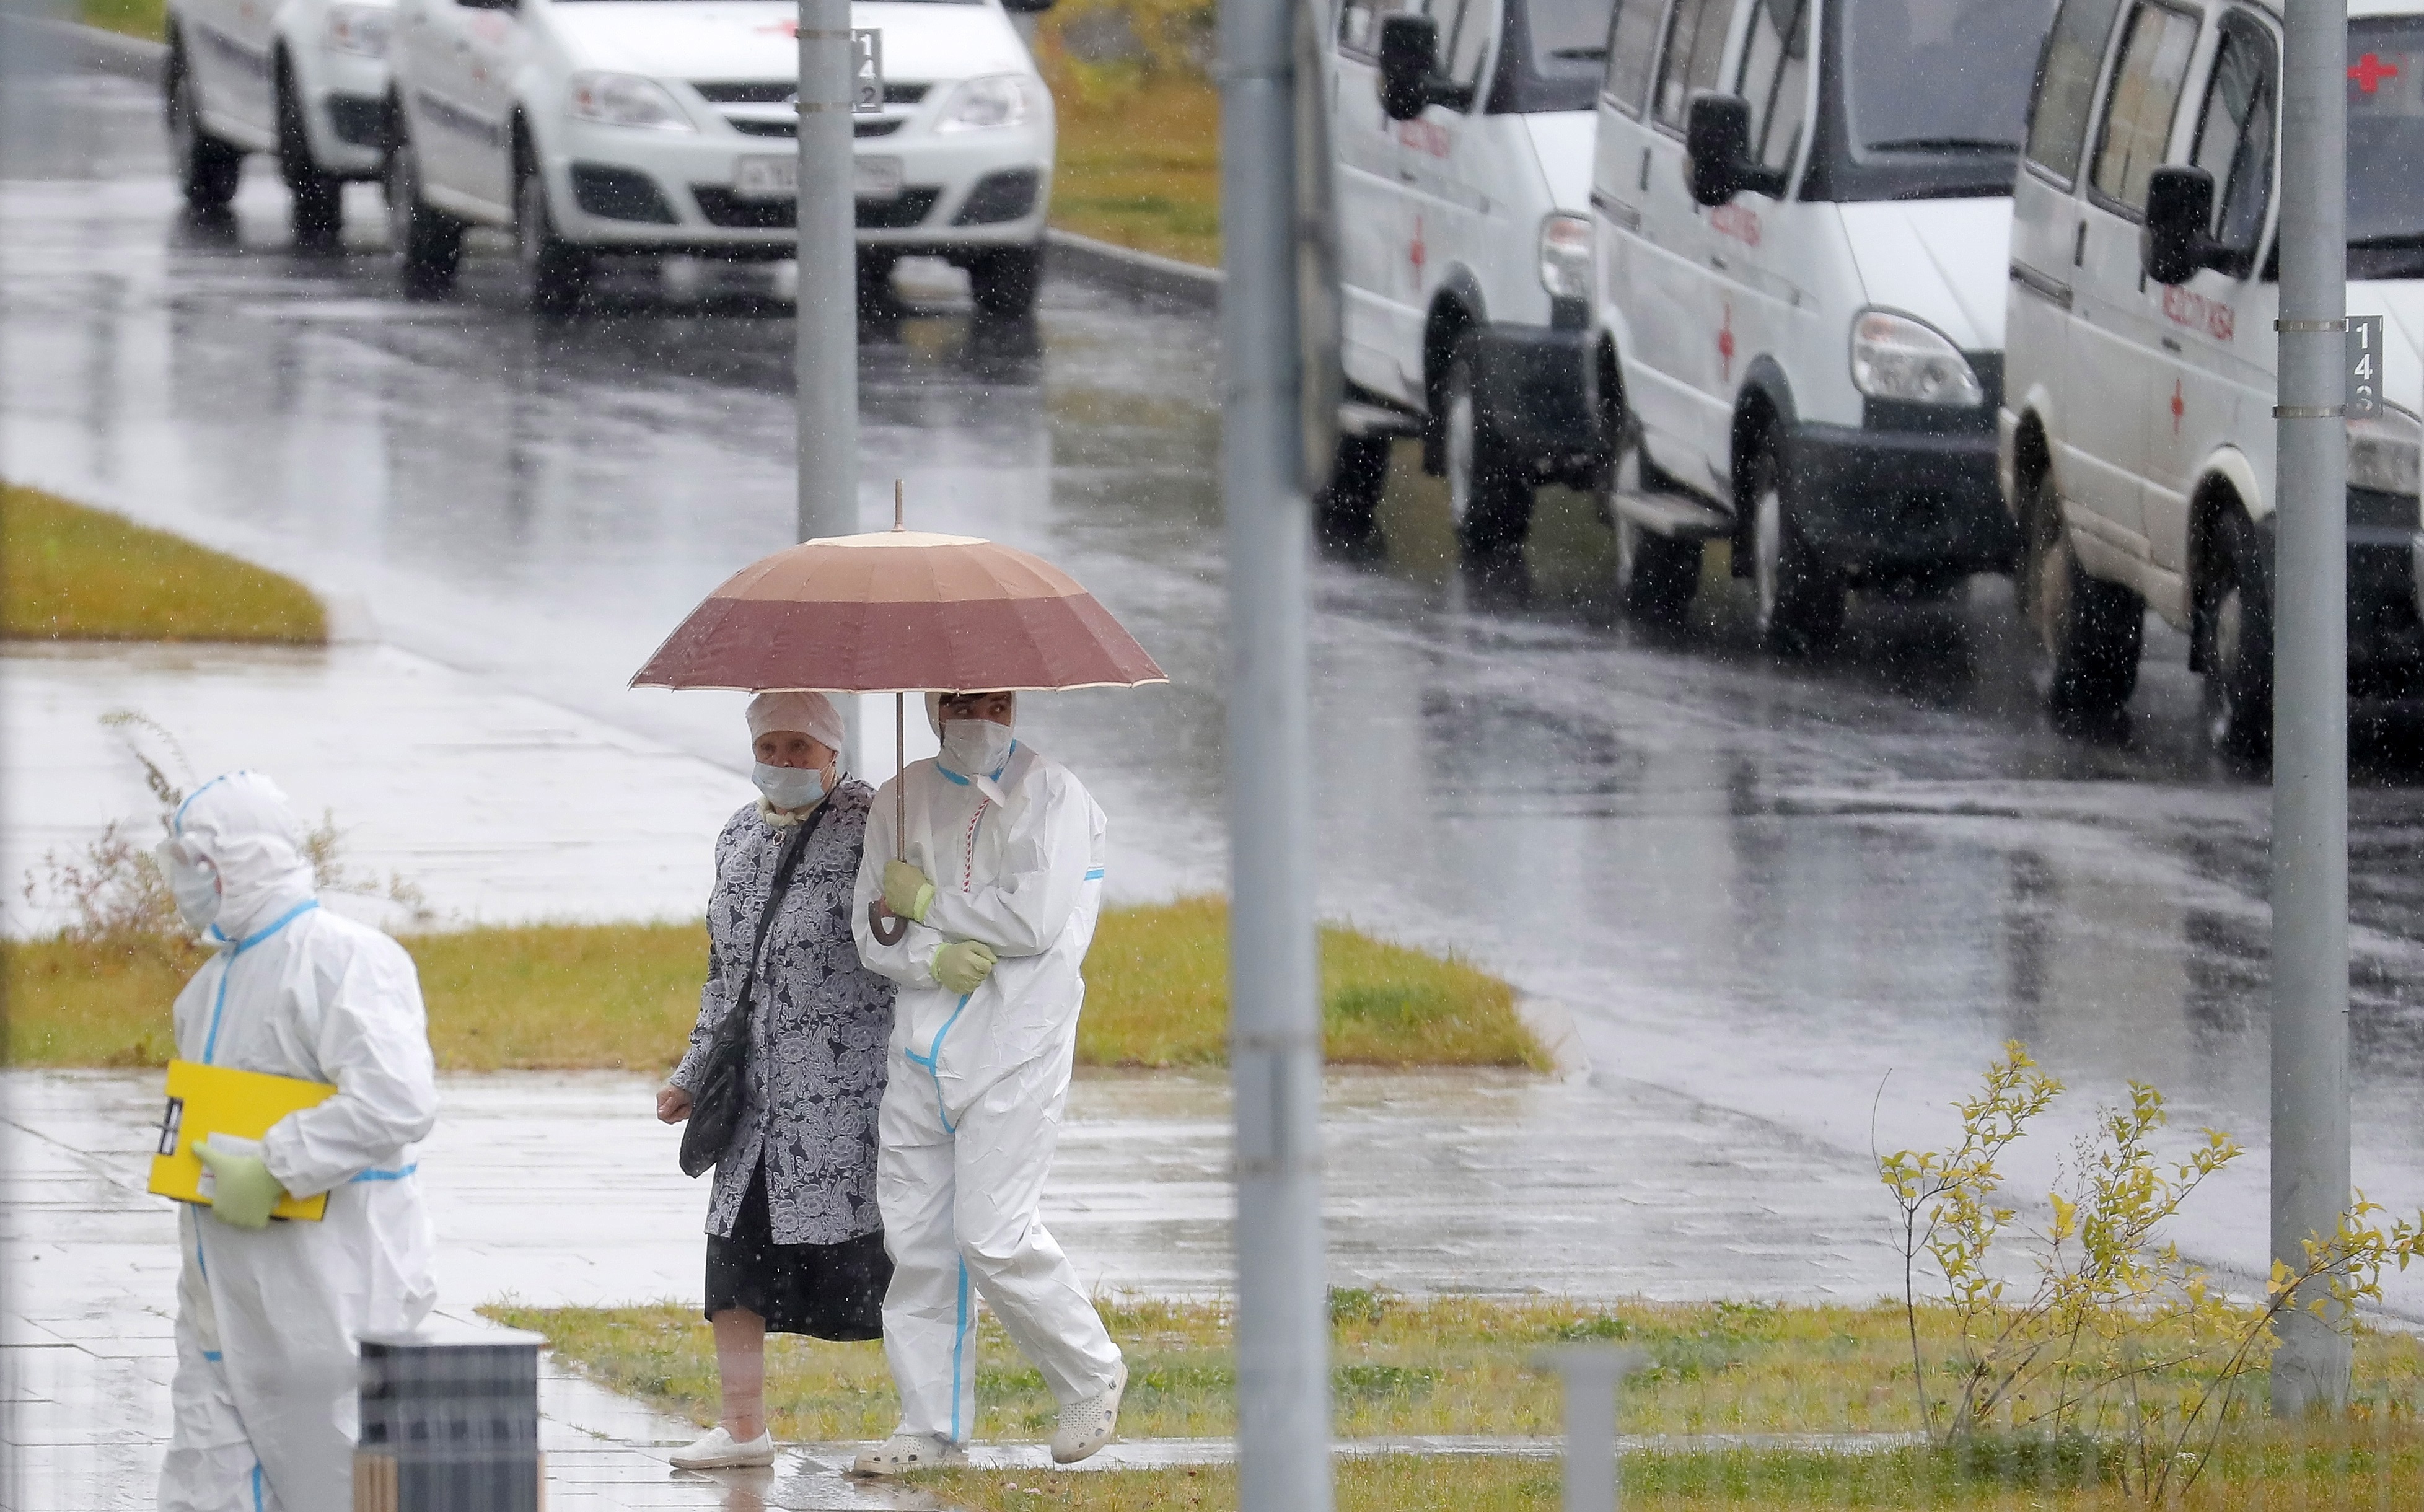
268 1312
999 888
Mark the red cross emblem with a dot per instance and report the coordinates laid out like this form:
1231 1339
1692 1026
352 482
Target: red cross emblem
2370 71
783 28
1416 254
2179 406
1726 344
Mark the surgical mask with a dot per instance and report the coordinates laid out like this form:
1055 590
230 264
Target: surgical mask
975 747
789 787
195 885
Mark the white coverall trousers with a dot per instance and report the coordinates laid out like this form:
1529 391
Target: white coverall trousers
959 1197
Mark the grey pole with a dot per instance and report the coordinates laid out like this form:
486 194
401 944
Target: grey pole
825 357
2310 1109
1274 981
1593 1373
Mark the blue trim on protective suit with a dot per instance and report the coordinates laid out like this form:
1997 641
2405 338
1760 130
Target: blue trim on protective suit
226 966
959 1346
994 775
383 1175
214 1355
256 1485
934 1054
177 820
1095 875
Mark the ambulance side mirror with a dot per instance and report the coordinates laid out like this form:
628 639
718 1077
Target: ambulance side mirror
1716 151
1409 76
2174 243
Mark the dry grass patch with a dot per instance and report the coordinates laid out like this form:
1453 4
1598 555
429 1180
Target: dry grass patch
1443 1365
2310 1471
70 573
578 997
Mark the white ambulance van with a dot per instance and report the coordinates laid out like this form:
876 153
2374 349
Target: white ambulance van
1458 170
1802 210
2137 440
304 79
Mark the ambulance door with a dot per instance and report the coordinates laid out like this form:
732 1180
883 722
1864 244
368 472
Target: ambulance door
2220 322
1682 321
2115 354
1620 161
1461 164
1761 255
1371 210
2046 244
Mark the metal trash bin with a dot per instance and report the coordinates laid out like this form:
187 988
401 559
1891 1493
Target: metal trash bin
449 1421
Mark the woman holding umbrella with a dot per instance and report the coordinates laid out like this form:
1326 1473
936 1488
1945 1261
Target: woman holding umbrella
794 1239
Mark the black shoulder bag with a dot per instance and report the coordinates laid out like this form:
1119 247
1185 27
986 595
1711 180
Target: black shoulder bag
715 1107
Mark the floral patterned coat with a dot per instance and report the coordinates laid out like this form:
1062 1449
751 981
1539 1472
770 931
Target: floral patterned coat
820 1021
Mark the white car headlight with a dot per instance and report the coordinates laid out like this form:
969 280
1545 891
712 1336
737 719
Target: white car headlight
1895 356
626 100
999 99
1565 257
2387 454
361 30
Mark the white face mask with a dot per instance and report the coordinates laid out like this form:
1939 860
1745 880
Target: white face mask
975 747
195 885
789 788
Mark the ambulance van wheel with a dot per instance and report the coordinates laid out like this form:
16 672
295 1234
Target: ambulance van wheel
1798 598
1348 509
207 168
2093 630
315 200
1488 496
2238 643
428 244
1655 575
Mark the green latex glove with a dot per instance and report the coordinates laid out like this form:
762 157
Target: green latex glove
962 967
906 891
243 1191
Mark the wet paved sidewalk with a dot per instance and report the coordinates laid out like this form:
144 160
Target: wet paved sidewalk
562 1190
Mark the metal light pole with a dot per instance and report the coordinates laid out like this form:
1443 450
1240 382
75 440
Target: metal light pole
826 354
2311 1117
1274 979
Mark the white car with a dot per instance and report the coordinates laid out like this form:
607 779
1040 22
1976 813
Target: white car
1802 208
592 127
2137 443
305 79
1459 162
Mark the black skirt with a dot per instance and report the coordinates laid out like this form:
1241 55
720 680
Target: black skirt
827 1291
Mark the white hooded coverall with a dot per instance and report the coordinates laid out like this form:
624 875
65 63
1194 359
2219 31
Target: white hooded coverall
267 1319
972 1111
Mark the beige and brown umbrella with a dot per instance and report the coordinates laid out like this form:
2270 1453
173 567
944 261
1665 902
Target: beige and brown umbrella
899 612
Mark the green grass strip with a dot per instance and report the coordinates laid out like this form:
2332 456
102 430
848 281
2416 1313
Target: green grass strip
70 573
579 997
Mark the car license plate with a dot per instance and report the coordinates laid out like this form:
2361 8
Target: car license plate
778 178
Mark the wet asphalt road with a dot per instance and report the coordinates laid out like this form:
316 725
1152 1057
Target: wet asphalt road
1776 888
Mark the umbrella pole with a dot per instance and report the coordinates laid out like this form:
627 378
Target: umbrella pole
889 928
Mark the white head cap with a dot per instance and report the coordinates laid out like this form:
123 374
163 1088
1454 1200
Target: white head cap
244 826
801 713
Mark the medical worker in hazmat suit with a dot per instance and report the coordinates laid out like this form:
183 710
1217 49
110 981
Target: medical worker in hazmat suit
268 1312
999 888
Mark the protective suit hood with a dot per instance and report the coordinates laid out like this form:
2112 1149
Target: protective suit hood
244 826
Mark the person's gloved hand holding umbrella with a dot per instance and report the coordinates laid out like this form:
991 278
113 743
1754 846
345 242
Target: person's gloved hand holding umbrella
906 891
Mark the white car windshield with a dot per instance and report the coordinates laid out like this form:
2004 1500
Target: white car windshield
2385 161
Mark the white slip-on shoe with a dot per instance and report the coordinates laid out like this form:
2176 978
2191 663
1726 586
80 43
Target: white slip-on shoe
718 1450
905 1452
1091 1424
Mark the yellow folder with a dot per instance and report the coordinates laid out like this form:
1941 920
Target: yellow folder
221 1100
